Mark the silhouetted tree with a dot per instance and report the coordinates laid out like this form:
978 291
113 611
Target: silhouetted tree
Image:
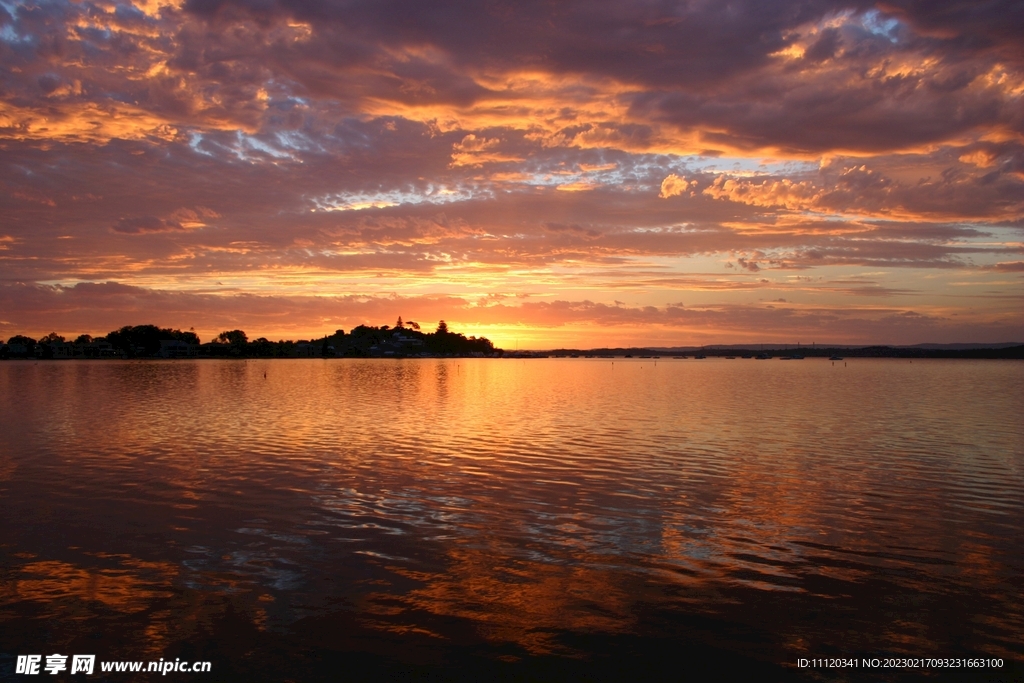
237 339
21 339
144 340
233 337
45 343
83 339
442 328
138 340
262 348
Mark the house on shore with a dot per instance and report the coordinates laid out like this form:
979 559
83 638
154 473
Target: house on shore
175 348
100 348
60 349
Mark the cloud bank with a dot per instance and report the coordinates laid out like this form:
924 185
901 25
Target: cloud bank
285 166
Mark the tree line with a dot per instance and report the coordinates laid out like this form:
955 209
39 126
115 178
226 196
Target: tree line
130 341
140 341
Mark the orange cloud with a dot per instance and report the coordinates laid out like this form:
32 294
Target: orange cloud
768 193
474 151
673 186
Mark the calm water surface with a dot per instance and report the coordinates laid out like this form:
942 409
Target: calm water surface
477 518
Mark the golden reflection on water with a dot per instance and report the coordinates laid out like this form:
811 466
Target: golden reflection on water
122 589
520 601
528 498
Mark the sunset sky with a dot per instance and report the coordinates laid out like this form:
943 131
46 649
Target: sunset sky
573 173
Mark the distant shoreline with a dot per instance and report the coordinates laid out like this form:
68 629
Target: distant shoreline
995 351
407 340
1006 353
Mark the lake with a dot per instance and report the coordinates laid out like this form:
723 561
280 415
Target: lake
483 519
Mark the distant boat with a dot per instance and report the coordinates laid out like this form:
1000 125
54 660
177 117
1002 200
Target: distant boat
835 358
700 356
628 355
763 356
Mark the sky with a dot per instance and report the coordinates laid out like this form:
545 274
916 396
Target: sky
578 173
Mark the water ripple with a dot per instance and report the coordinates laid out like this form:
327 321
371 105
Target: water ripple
528 498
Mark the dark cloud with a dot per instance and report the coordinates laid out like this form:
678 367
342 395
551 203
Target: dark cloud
702 65
144 224
824 47
574 228
971 27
